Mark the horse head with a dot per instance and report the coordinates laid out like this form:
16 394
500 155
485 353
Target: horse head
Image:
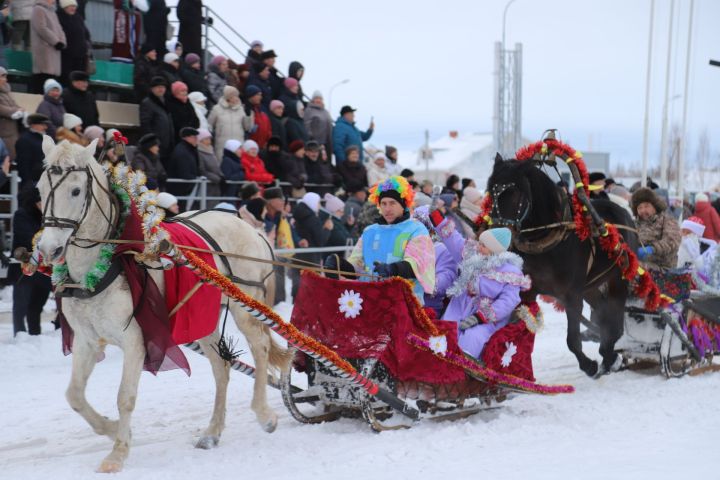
66 193
523 195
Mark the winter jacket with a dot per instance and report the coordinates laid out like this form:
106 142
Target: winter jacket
184 163
228 122
277 84
295 130
72 137
274 161
183 115
29 157
155 118
82 104
8 126
153 168
201 113
233 170
21 10
278 129
255 169
170 73
190 14
376 174
346 134
322 173
75 54
262 129
293 105
354 175
212 170
710 218
264 86
339 235
309 227
194 79
445 275
292 169
216 83
293 73
54 109
26 222
45 34
662 233
155 23
319 125
488 287
143 73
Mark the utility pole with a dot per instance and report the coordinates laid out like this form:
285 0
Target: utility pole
663 136
682 146
507 118
646 123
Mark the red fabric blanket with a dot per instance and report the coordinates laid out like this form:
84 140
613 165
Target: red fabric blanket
378 330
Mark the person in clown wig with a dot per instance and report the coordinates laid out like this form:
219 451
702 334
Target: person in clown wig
397 245
487 291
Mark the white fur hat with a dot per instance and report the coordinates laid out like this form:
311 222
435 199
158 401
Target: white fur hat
233 145
71 121
695 225
166 200
68 3
170 57
333 203
312 200
701 197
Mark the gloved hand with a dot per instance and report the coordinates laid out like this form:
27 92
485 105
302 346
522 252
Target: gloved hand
469 322
644 252
59 46
384 270
17 115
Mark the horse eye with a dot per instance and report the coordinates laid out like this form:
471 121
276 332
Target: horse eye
75 192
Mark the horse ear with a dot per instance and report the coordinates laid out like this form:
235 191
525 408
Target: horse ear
90 149
498 158
48 145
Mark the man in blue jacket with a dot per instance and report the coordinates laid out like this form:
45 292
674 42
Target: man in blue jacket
346 134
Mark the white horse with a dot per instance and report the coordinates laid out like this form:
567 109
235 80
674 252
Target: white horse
76 187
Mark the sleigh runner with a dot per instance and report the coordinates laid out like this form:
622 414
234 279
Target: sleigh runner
381 329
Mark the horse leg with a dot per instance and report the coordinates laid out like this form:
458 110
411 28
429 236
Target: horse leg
221 372
259 340
573 308
133 359
612 314
84 359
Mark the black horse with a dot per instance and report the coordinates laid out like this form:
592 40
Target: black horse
560 265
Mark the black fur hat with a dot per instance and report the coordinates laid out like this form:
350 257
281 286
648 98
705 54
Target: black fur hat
643 195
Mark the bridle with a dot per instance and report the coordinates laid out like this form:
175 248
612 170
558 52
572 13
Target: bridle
523 210
54 221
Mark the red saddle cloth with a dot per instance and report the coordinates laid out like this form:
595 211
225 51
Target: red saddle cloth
388 313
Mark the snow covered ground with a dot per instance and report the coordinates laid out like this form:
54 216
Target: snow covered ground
627 425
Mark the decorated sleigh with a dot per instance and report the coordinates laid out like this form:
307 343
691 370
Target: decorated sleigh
681 338
382 330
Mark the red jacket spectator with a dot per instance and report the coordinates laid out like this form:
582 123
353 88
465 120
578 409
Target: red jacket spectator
263 128
709 216
253 165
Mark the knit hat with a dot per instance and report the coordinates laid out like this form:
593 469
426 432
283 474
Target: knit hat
394 187
472 194
79 75
273 192
3 71
188 132
695 225
333 203
230 91
596 176
249 190
170 57
291 82
256 43
252 90
148 141
217 60
317 94
197 97
68 3
448 199
177 86
643 195
166 200
256 207
249 145
312 146
158 80
296 145
497 240
93 132
192 58
268 54
378 156
312 200
701 197
51 83
71 121
147 48
203 134
233 145
276 103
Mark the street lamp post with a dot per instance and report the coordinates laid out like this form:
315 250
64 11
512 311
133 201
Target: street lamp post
343 82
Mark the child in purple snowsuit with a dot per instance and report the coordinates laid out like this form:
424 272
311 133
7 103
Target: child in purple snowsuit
488 288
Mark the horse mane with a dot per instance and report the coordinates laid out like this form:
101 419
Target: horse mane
68 155
544 194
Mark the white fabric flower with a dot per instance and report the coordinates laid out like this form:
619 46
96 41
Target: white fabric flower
508 355
438 344
350 303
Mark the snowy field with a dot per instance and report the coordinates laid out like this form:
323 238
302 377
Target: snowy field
624 426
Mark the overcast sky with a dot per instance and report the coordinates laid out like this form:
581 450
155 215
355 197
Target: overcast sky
428 64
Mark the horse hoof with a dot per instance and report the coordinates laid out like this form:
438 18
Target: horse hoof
108 466
593 370
207 442
617 364
270 425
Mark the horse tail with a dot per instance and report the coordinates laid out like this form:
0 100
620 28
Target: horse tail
279 358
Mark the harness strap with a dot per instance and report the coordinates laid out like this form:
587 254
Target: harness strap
71 291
